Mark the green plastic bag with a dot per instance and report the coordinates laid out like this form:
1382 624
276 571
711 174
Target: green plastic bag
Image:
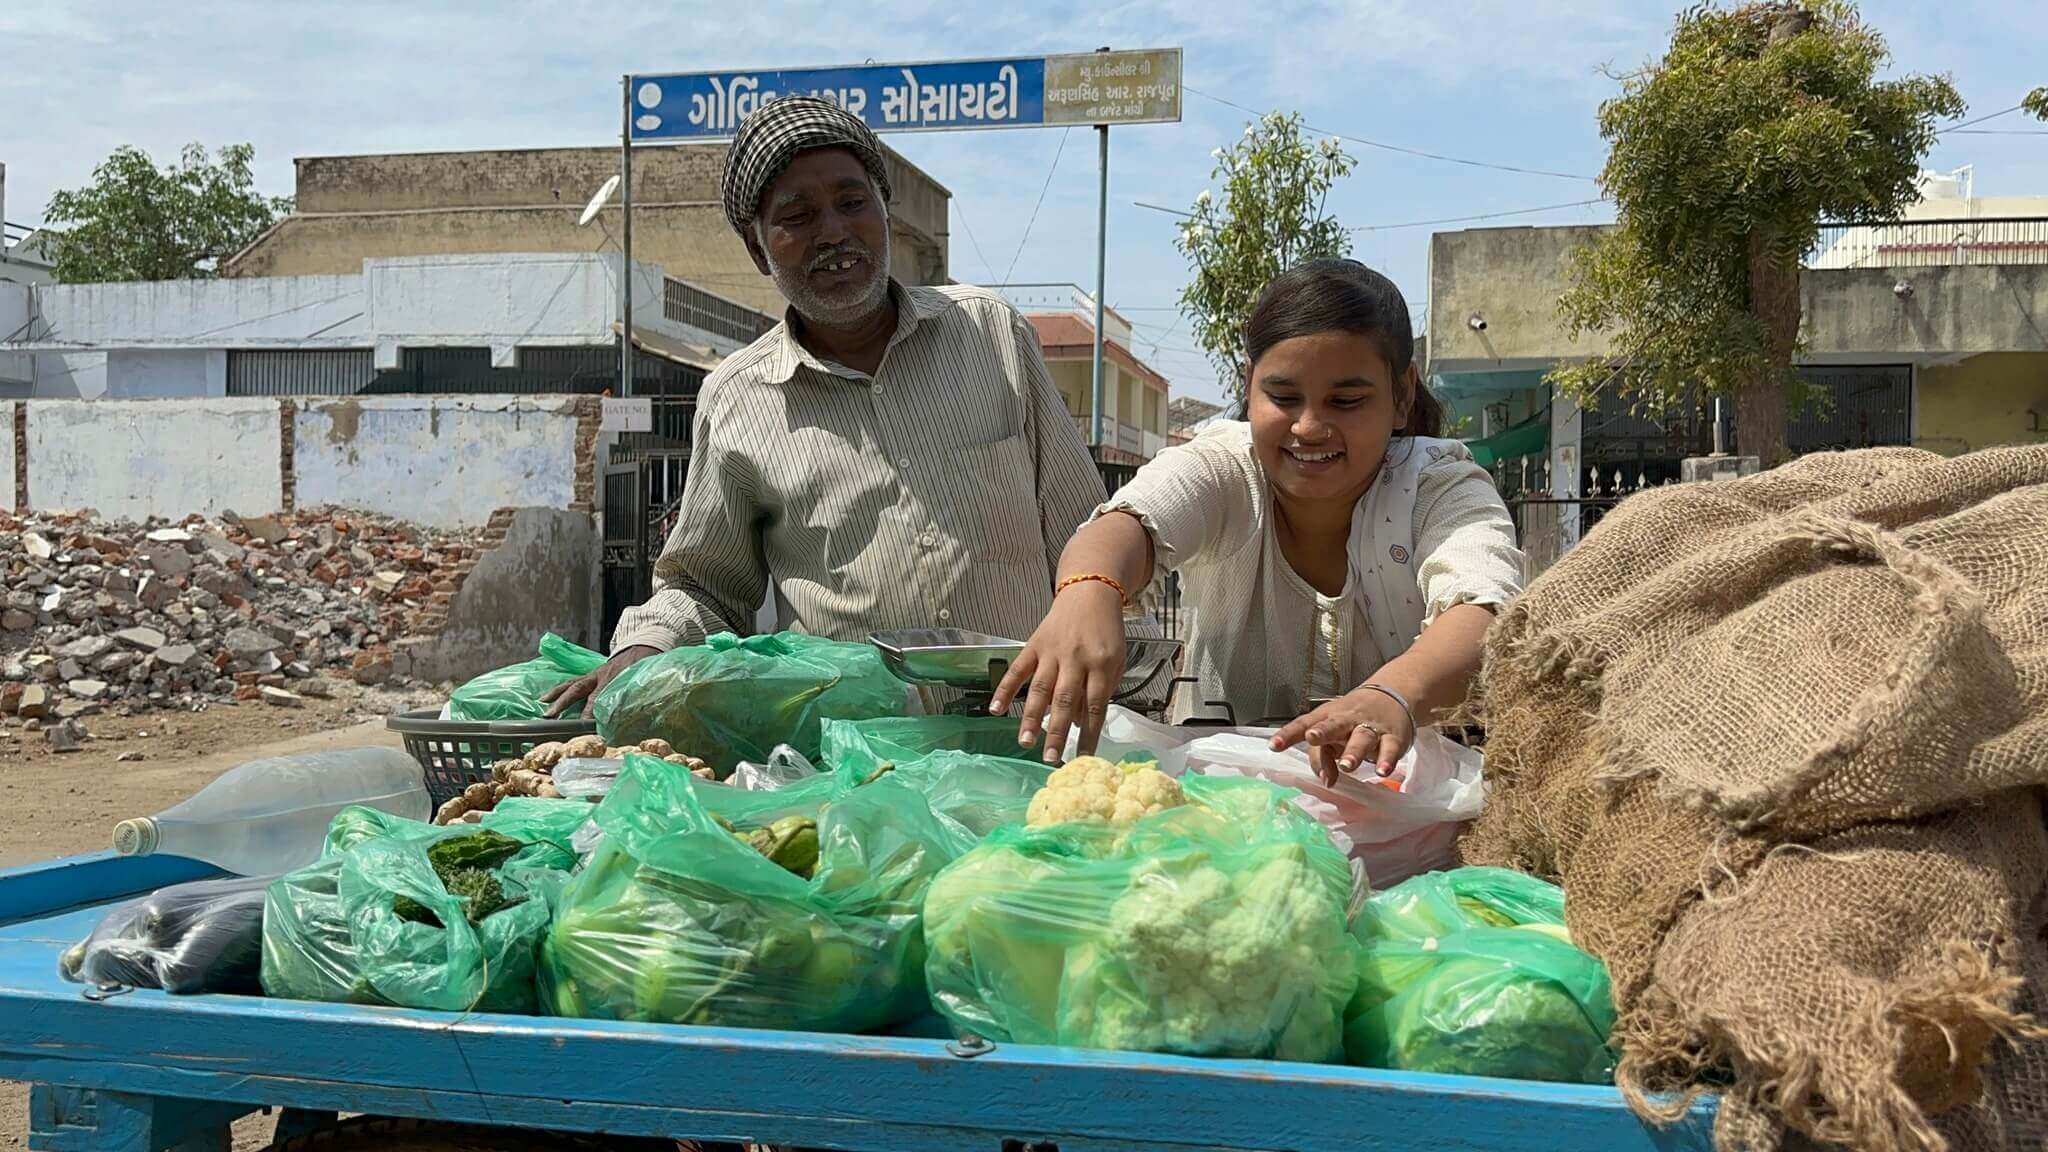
1471 972
966 766
676 919
735 699
977 793
514 692
372 922
1212 929
546 826
862 745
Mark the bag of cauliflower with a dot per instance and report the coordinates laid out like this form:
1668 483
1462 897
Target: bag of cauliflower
1471 972
1130 911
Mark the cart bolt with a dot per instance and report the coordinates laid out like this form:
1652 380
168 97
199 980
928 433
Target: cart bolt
968 1047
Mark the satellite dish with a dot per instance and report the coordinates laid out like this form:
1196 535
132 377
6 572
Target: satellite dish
598 201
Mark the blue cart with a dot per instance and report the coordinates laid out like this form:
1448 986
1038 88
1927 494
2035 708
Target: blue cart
141 1071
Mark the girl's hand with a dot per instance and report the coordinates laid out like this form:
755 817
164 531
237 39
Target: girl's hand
1365 727
1073 664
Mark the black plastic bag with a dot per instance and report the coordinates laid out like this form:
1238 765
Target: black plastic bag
201 937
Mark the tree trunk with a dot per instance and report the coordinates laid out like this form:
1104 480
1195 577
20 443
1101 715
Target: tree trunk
1761 412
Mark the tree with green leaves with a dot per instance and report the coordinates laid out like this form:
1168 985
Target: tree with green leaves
137 221
2036 104
1759 123
1275 186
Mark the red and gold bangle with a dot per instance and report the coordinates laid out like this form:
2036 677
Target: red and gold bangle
1094 578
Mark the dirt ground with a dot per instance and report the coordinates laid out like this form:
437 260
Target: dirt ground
54 804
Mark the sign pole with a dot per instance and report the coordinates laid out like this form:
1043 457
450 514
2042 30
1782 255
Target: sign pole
1101 262
626 380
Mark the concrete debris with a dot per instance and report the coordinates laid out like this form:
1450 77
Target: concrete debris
179 615
87 648
147 639
68 736
176 655
249 644
87 689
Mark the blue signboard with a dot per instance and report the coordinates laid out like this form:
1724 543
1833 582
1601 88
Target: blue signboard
1025 92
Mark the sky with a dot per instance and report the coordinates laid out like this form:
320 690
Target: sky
1503 82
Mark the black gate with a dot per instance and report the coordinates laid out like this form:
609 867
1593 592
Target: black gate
643 489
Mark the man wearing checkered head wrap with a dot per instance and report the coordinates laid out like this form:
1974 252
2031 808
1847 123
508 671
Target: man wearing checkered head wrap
772 136
806 189
887 457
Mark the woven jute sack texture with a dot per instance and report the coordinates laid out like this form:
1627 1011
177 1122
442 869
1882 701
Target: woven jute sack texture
1783 739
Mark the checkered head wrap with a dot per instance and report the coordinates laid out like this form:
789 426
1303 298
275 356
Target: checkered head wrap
772 135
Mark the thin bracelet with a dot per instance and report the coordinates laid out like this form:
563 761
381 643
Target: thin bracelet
1094 578
1397 698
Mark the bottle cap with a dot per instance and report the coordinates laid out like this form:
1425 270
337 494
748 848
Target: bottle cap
135 837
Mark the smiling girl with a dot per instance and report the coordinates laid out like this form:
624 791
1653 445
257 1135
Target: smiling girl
1331 546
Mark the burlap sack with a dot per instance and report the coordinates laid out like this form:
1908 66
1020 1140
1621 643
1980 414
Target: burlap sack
1780 739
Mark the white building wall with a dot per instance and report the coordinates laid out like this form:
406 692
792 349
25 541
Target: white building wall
499 301
490 300
144 373
69 375
7 455
444 461
254 313
133 459
15 367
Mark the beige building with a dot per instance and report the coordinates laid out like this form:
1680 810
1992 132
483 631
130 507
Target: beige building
350 208
1134 395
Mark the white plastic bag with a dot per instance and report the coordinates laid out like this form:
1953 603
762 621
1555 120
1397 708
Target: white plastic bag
1394 833
1126 735
586 777
785 766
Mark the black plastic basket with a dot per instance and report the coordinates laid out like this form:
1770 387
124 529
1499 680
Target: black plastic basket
454 754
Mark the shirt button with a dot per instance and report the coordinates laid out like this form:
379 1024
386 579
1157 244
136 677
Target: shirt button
878 389
945 614
929 539
903 462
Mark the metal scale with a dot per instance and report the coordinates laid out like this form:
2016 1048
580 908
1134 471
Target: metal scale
973 663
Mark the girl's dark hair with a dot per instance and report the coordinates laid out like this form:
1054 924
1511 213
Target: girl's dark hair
1342 296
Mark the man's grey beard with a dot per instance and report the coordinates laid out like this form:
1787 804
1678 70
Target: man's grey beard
796 288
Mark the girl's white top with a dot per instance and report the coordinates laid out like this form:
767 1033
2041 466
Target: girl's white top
1431 533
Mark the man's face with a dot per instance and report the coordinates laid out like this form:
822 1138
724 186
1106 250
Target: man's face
823 234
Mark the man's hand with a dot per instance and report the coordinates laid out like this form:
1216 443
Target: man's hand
1365 727
563 696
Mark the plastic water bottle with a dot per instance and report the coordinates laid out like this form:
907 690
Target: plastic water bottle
268 817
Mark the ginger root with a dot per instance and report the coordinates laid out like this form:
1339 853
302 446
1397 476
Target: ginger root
583 746
545 756
525 782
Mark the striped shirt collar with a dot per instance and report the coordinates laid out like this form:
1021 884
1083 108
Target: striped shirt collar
786 354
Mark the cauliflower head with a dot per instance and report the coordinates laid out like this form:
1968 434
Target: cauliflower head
1094 791
1251 961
